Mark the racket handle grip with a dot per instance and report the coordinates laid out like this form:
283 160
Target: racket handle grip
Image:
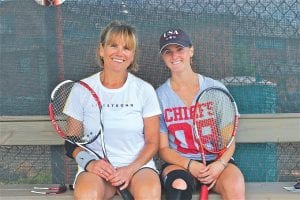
204 193
125 194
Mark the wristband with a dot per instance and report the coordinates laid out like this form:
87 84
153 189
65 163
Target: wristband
83 158
189 164
223 163
70 147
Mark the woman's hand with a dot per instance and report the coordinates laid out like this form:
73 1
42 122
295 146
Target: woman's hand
215 168
101 168
122 177
206 174
197 169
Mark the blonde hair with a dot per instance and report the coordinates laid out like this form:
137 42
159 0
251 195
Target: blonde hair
117 29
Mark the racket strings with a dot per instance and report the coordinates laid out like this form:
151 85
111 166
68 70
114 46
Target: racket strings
214 120
70 128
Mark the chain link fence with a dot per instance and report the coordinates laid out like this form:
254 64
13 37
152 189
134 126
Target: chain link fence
253 46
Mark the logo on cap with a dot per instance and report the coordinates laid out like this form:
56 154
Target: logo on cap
171 34
174 36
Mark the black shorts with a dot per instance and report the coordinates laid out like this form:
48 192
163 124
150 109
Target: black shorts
195 183
207 163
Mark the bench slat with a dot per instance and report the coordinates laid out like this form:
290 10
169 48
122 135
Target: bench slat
254 191
37 130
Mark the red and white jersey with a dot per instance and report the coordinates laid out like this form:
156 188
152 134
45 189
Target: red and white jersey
177 119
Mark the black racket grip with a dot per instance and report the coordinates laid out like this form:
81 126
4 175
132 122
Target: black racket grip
125 194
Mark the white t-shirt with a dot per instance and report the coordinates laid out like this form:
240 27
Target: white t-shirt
123 111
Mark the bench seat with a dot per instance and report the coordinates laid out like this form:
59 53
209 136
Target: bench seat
254 191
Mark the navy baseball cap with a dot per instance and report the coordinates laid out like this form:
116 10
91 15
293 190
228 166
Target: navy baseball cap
174 36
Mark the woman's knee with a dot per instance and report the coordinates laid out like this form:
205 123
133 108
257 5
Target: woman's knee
231 185
89 186
81 193
152 192
145 184
178 184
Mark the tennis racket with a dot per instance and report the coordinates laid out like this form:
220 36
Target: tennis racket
73 130
215 124
50 190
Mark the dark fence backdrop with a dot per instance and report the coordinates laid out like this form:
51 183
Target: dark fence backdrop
253 46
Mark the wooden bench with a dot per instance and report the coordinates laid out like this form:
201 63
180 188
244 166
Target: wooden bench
254 191
262 128
253 128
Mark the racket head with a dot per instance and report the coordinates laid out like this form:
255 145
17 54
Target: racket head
99 105
66 126
215 119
